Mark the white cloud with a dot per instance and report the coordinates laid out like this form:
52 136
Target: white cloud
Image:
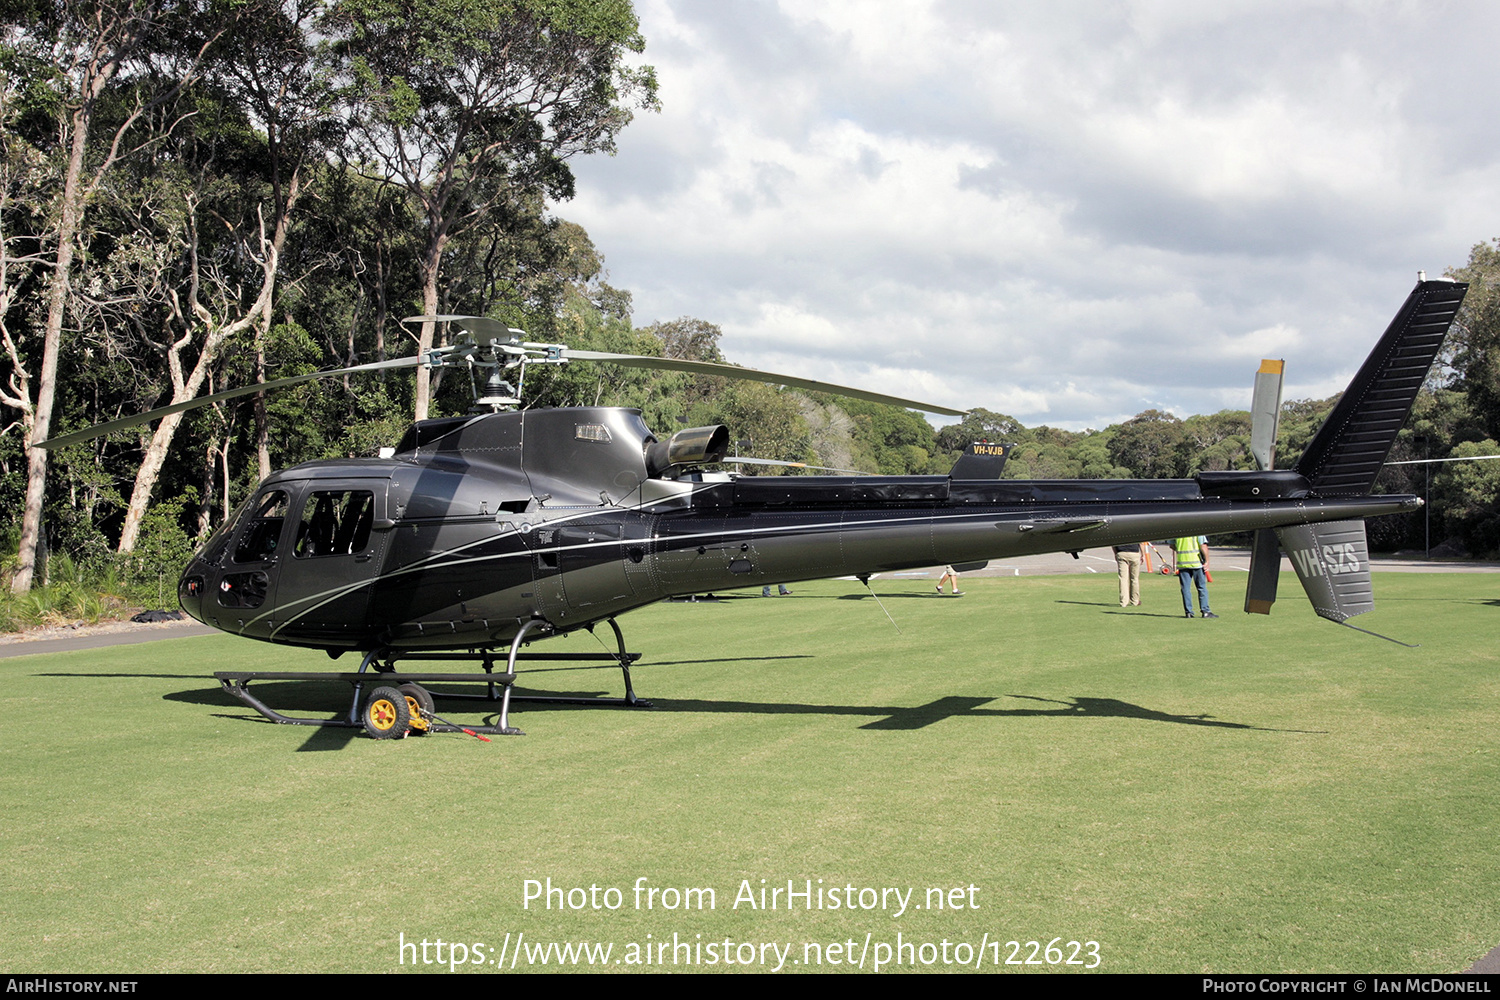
1067 213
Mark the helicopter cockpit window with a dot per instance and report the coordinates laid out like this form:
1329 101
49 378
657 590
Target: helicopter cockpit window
258 541
218 543
335 523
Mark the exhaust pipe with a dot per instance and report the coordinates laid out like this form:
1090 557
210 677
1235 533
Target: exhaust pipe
687 447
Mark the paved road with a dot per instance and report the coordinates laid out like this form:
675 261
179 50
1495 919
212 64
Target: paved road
99 640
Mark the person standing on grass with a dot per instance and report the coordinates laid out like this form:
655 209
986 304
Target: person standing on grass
1128 562
1192 561
950 574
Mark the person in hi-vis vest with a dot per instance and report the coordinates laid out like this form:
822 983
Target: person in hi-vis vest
1192 560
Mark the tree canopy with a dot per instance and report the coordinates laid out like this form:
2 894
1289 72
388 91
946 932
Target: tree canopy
473 107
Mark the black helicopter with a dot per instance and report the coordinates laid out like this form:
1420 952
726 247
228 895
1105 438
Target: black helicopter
482 533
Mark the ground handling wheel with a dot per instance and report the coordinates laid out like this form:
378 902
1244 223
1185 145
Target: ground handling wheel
387 716
421 706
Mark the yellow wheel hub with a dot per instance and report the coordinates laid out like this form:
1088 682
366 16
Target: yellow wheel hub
386 716
382 714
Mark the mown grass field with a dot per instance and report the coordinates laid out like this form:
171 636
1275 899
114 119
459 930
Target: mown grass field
1249 794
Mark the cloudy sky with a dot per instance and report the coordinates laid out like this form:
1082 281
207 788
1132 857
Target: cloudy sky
1068 212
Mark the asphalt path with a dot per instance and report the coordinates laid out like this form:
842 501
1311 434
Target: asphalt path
117 634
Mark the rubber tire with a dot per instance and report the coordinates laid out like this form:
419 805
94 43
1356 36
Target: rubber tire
418 699
386 715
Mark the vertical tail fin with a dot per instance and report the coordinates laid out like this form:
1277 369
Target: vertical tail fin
1347 452
1333 560
981 460
1333 563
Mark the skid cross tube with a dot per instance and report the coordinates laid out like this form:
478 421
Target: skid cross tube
237 683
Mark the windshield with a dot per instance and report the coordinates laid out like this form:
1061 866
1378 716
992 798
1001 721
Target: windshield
213 549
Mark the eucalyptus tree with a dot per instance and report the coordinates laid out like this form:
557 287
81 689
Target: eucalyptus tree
1476 335
1147 444
270 68
24 178
469 105
979 424
374 241
96 71
216 204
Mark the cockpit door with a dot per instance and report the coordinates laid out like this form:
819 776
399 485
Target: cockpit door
245 589
334 556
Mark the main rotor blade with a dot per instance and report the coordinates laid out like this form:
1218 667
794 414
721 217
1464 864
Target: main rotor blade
752 375
98 430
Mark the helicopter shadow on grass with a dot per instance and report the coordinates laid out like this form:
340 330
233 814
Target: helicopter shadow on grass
898 718
331 699
924 596
957 706
1115 609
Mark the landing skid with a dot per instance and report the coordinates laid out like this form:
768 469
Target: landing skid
383 660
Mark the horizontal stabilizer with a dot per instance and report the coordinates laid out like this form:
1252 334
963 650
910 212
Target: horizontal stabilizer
981 460
1349 449
1333 562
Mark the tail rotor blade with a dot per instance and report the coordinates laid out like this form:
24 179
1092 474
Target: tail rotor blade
1265 573
1265 413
